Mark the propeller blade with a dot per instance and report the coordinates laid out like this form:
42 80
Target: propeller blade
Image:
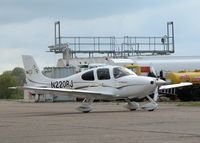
156 94
153 71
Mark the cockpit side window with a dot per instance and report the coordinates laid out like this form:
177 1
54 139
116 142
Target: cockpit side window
120 72
103 74
88 75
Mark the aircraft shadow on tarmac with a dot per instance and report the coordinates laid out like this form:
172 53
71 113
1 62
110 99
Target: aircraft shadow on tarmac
31 114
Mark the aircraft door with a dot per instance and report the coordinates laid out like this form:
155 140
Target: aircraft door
104 76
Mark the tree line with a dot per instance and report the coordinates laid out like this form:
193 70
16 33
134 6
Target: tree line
16 77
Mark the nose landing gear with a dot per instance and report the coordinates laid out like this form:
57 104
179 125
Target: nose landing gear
135 106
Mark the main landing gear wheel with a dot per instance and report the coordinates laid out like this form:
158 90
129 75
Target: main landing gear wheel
86 106
132 106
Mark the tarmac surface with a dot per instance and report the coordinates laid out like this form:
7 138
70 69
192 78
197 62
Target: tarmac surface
107 123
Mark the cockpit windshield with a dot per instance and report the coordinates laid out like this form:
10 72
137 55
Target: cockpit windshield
120 72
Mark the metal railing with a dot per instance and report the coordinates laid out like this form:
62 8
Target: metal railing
115 46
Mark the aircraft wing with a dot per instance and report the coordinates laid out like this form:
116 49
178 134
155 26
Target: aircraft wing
68 92
175 85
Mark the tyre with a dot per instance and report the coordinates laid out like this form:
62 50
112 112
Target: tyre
184 94
196 94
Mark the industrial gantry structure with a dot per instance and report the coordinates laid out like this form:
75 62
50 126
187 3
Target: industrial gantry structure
116 47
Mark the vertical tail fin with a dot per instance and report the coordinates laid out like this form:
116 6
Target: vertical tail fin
34 76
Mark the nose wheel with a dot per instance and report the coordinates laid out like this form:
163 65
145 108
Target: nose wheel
150 106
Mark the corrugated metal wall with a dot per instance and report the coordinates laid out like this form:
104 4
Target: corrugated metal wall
58 72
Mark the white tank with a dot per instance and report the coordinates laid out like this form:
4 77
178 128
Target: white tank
169 63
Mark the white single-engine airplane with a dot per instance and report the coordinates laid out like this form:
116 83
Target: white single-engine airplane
105 83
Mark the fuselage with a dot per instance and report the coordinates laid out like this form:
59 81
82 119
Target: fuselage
114 80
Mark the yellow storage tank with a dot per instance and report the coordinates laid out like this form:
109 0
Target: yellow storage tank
178 77
134 68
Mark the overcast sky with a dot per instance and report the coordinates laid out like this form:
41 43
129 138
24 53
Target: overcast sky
27 26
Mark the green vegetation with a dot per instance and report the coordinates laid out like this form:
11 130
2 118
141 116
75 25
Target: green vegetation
188 104
179 103
16 77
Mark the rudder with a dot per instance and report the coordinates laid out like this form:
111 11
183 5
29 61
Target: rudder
33 74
